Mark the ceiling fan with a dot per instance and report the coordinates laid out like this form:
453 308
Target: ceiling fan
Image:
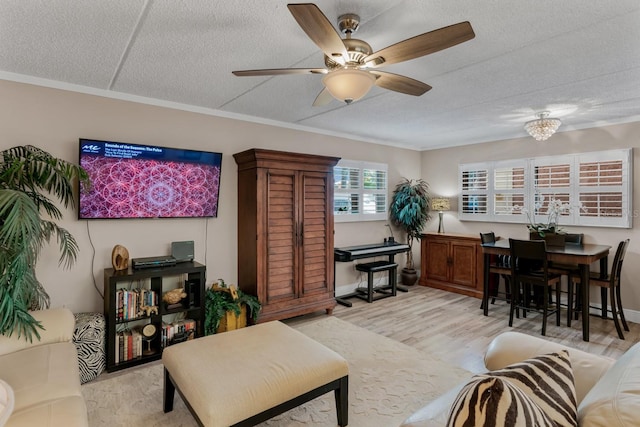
352 66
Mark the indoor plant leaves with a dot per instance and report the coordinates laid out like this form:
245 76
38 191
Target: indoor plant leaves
28 176
409 210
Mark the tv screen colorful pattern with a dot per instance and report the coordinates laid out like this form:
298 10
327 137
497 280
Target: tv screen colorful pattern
138 181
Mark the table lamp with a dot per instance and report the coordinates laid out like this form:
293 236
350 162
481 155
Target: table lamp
440 205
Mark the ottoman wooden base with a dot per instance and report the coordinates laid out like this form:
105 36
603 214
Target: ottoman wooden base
246 376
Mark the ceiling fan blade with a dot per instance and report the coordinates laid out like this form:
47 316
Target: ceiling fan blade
319 29
323 98
280 71
423 44
402 84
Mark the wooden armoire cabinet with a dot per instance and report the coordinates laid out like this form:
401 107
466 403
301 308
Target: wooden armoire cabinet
452 262
285 231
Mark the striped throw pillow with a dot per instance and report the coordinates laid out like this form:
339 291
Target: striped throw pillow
537 392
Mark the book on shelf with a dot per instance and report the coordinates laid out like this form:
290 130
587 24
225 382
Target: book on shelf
128 345
179 331
120 346
128 304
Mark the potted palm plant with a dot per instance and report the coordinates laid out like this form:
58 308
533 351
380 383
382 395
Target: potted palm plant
29 176
409 210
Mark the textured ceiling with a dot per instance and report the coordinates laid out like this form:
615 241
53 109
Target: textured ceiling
578 59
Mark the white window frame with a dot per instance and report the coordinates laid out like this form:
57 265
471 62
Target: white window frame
574 189
360 192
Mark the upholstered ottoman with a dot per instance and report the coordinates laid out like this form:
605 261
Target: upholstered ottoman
246 376
89 338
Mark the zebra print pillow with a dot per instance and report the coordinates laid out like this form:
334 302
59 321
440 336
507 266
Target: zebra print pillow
492 401
537 392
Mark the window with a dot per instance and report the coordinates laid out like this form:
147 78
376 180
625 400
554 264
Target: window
509 189
475 191
597 187
360 191
604 189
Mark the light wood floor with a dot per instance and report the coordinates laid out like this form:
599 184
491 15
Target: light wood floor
452 327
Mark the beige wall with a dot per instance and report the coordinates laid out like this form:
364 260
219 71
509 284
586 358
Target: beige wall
439 168
54 119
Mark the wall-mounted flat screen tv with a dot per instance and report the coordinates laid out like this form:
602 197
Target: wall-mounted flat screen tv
145 181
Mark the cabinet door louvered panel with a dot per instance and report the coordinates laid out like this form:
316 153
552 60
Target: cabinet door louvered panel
314 233
281 236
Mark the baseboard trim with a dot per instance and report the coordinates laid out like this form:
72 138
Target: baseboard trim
629 315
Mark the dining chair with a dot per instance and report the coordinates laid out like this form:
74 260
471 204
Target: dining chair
501 267
610 281
530 271
569 270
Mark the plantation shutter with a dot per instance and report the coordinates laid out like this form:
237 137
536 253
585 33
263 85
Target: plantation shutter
604 188
509 195
360 191
552 180
346 187
374 195
474 191
597 188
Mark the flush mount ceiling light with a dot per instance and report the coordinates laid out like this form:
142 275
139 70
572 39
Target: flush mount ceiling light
348 85
543 127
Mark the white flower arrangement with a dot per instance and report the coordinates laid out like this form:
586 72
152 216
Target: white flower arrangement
555 208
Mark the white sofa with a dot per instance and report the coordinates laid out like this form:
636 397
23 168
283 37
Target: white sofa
43 375
607 390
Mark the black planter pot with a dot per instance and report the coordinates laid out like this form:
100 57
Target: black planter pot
408 276
552 239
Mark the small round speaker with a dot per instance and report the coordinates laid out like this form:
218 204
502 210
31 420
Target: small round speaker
120 258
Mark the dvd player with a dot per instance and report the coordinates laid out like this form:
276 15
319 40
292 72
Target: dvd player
153 261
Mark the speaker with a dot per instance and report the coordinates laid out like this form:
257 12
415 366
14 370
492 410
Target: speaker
182 251
191 287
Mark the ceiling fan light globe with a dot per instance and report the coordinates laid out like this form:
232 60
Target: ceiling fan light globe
348 85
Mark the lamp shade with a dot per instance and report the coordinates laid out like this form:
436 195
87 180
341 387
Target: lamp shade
348 85
440 204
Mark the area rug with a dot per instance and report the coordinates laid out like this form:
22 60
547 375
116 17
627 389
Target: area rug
388 381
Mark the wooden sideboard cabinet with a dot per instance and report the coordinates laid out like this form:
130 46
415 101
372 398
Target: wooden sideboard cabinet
452 262
285 231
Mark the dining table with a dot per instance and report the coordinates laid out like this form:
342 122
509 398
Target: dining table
583 255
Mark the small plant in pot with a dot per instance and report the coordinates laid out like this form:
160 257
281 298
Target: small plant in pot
409 210
221 299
